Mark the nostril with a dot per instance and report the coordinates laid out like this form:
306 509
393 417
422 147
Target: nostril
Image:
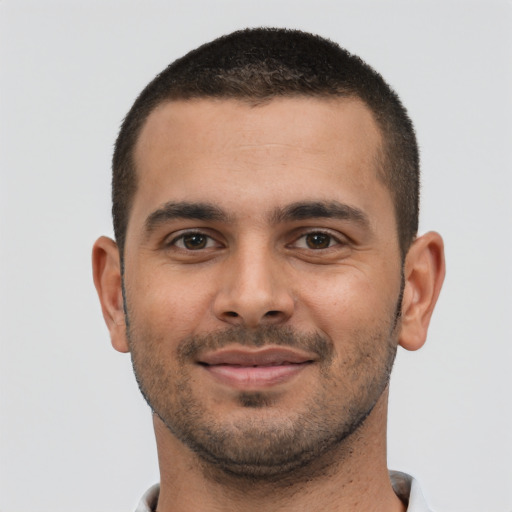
271 313
231 314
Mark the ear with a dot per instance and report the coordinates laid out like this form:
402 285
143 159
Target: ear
106 267
424 272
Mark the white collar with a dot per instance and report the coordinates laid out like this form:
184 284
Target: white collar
405 487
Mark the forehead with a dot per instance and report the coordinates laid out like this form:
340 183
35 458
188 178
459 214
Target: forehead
229 151
308 122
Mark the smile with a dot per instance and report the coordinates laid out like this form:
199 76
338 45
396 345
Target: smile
245 369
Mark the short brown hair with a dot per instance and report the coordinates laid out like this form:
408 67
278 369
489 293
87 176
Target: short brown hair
258 65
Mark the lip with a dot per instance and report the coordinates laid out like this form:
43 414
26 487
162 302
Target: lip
252 369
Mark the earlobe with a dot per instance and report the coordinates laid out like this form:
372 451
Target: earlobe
107 279
424 272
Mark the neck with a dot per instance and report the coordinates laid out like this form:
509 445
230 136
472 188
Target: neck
353 477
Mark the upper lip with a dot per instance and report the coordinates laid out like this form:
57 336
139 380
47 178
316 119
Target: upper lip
268 356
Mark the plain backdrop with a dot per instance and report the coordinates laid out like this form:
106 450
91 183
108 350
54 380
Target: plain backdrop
75 434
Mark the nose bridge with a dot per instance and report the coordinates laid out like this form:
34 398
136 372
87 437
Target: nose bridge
254 289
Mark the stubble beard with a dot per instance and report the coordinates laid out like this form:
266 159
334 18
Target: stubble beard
267 446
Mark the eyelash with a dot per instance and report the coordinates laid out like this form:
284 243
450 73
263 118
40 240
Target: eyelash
190 234
209 241
333 240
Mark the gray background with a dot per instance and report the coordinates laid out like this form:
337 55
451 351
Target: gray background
74 433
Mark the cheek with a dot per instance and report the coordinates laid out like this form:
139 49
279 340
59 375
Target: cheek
348 302
170 304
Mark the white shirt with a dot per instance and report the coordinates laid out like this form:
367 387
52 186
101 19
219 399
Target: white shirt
405 487
408 490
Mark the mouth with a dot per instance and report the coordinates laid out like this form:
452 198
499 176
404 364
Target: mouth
255 369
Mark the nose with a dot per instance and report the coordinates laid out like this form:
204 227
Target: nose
253 290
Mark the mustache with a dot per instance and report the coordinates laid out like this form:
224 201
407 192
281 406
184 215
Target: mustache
191 346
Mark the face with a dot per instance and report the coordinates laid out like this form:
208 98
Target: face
262 277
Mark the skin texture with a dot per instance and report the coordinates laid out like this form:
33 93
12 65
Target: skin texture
256 229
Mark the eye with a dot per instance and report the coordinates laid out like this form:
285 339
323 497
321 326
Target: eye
316 240
193 241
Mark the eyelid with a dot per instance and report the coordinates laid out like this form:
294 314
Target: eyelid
172 239
339 238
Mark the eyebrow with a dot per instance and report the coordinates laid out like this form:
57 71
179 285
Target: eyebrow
320 210
302 210
183 210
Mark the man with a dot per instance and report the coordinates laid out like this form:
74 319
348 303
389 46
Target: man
265 269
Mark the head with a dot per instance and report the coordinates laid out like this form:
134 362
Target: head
267 265
258 65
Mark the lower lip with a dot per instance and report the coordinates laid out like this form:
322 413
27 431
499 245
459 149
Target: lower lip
250 377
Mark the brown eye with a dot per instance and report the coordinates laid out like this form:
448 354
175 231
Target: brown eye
194 241
318 240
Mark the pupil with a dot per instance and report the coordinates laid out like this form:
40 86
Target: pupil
318 241
194 241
